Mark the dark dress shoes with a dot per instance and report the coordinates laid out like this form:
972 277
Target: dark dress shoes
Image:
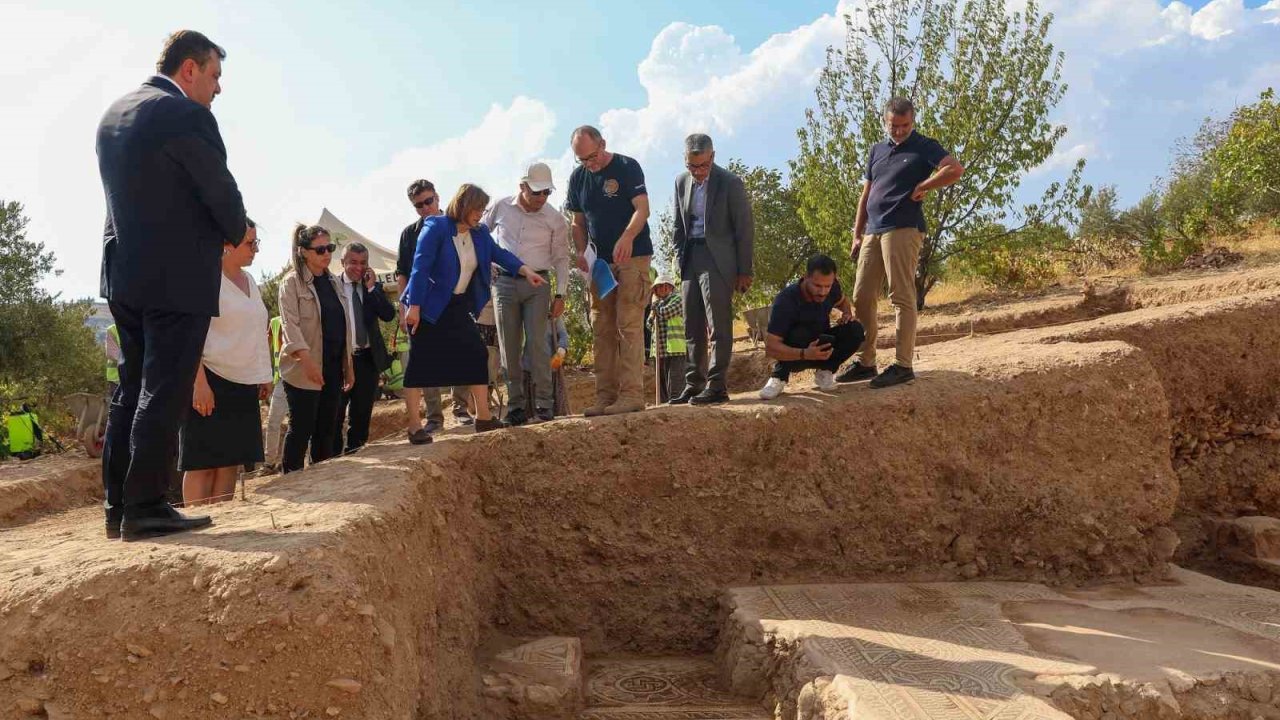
856 372
113 528
709 397
421 436
684 397
163 520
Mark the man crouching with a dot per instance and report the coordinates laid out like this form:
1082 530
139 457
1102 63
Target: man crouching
800 335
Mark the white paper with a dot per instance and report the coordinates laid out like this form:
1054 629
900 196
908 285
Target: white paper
590 256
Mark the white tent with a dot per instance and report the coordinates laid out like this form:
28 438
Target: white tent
382 260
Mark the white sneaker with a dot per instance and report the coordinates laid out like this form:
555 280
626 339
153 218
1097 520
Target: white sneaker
825 380
773 388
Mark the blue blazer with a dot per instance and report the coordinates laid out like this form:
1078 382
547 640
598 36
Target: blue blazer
436 267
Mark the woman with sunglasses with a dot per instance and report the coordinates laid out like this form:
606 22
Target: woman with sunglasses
224 430
315 358
448 287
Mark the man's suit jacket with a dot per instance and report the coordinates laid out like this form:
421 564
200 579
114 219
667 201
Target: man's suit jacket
729 227
376 307
171 202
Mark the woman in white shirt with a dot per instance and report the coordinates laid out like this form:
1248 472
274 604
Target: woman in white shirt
224 431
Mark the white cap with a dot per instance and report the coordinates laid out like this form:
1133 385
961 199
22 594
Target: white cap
538 177
664 279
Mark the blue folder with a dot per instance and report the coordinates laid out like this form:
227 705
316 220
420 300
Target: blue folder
602 278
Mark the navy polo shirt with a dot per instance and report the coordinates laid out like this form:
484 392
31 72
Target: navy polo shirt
894 171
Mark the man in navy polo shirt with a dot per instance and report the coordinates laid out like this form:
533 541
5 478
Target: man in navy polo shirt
610 207
888 233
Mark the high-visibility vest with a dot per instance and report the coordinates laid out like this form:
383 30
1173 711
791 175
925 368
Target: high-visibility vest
393 376
275 348
675 344
22 432
113 368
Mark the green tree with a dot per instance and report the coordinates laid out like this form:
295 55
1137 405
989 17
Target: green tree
781 246
46 351
984 80
1247 177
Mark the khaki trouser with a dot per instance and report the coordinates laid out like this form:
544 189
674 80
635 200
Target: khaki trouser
617 325
894 254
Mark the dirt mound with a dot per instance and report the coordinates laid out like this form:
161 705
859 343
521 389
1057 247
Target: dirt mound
1213 258
31 488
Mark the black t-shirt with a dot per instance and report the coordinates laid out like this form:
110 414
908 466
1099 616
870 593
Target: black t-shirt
408 246
333 327
894 172
790 309
605 198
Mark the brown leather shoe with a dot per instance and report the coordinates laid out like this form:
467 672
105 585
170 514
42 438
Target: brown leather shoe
487 425
623 407
599 408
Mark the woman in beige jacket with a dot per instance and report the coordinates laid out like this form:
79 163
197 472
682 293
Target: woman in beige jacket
315 359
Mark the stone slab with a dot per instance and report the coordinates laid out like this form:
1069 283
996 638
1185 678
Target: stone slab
996 650
554 661
1256 536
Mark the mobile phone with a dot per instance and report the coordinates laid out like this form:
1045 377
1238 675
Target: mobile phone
826 339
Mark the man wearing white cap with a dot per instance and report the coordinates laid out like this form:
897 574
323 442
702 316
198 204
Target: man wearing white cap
526 225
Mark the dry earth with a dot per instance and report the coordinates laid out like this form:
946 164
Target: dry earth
365 586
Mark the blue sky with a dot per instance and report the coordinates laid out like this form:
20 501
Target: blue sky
339 107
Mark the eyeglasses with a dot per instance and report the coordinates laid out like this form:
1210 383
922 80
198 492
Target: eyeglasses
429 201
698 166
323 249
590 158
543 193
255 244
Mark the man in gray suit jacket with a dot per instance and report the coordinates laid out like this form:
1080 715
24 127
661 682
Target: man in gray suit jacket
713 235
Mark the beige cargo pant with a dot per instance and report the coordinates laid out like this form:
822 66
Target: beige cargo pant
893 256
617 325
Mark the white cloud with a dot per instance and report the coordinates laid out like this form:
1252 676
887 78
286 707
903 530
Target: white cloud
1218 19
491 154
1272 11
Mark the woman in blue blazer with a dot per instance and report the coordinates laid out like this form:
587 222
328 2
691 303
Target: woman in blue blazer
448 286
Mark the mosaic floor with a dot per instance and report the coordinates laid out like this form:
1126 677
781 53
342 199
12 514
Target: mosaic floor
970 650
661 689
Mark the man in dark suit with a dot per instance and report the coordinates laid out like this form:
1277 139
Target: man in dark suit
714 231
171 203
367 303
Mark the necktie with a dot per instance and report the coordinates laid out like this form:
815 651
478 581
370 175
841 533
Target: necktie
357 309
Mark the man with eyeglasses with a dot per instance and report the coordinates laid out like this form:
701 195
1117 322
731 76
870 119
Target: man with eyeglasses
610 207
426 202
531 229
713 236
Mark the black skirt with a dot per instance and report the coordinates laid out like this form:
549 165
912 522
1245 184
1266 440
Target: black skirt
230 435
449 351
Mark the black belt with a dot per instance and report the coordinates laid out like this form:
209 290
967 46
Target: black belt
697 241
504 273
362 351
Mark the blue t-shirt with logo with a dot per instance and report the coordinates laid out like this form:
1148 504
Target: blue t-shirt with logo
605 198
894 171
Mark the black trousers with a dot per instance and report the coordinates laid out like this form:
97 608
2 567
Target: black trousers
848 338
160 353
357 405
313 418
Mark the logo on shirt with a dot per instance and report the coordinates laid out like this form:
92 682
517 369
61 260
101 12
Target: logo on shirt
610 188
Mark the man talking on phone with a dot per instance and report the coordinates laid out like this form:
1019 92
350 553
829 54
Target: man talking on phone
800 334
367 304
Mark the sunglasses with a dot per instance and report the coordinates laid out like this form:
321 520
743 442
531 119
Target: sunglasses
323 249
429 201
543 193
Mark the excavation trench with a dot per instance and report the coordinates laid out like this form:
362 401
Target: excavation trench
367 585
